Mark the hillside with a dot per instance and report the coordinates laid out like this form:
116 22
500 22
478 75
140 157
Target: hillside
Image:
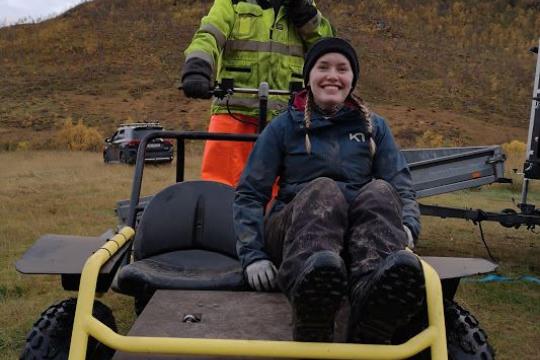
458 68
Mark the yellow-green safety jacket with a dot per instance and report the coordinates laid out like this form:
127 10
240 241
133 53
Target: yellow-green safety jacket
249 43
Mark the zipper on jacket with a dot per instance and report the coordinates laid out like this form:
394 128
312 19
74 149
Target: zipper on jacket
275 21
272 28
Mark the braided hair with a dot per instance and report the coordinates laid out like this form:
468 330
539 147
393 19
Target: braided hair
307 118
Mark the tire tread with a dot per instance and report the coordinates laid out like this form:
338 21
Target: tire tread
50 336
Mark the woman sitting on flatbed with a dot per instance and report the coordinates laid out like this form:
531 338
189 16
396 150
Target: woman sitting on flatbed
344 214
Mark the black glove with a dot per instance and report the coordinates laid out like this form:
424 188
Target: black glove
196 76
196 86
300 11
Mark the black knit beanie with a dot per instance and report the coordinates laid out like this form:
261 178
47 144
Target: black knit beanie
328 45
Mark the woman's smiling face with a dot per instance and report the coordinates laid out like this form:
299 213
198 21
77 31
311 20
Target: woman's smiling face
330 80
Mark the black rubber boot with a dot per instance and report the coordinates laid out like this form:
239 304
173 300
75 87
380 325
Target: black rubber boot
387 299
316 297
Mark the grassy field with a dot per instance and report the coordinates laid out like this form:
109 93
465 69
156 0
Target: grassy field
75 193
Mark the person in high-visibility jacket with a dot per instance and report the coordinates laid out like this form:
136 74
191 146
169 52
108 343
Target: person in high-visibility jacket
250 42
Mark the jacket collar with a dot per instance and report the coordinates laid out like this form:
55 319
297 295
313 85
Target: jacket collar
300 98
298 105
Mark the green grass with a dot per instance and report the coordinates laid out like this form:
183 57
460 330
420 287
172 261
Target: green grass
63 193
514 248
75 193
510 313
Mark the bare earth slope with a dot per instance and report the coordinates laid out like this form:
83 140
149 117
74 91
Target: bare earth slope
459 68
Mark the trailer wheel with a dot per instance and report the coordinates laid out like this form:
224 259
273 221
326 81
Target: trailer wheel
465 339
50 336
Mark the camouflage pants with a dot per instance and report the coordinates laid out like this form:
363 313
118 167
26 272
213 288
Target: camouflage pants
320 218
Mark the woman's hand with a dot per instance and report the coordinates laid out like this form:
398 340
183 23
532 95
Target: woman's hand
261 275
410 239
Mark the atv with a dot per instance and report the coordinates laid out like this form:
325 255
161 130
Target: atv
174 253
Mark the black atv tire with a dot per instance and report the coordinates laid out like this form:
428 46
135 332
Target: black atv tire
465 339
50 336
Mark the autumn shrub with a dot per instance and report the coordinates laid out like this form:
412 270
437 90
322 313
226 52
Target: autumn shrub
430 139
16 146
515 156
78 137
23 146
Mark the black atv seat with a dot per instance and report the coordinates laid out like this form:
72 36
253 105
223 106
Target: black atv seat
185 240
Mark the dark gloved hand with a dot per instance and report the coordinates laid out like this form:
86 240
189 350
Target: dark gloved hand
196 78
196 86
300 11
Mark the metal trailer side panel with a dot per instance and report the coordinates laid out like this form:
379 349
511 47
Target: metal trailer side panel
442 170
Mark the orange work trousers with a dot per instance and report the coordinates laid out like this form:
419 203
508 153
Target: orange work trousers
224 161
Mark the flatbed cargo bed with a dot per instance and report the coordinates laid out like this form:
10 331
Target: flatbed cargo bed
247 315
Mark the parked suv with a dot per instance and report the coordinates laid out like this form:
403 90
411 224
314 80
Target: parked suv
123 145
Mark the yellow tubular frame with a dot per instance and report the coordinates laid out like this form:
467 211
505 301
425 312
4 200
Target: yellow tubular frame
86 325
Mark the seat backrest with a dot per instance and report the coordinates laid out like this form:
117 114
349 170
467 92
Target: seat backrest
187 215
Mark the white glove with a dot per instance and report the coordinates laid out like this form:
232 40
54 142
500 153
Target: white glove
261 275
410 240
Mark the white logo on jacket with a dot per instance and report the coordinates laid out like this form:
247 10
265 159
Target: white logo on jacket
357 136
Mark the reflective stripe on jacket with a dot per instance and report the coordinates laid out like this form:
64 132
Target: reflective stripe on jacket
250 44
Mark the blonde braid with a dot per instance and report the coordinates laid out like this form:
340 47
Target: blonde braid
307 119
369 122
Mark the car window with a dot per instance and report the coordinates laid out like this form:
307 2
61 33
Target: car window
140 133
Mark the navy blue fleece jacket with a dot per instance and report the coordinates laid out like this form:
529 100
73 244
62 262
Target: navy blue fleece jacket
339 150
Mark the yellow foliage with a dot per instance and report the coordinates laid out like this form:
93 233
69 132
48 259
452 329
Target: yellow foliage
77 137
514 147
515 157
430 139
515 154
23 145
